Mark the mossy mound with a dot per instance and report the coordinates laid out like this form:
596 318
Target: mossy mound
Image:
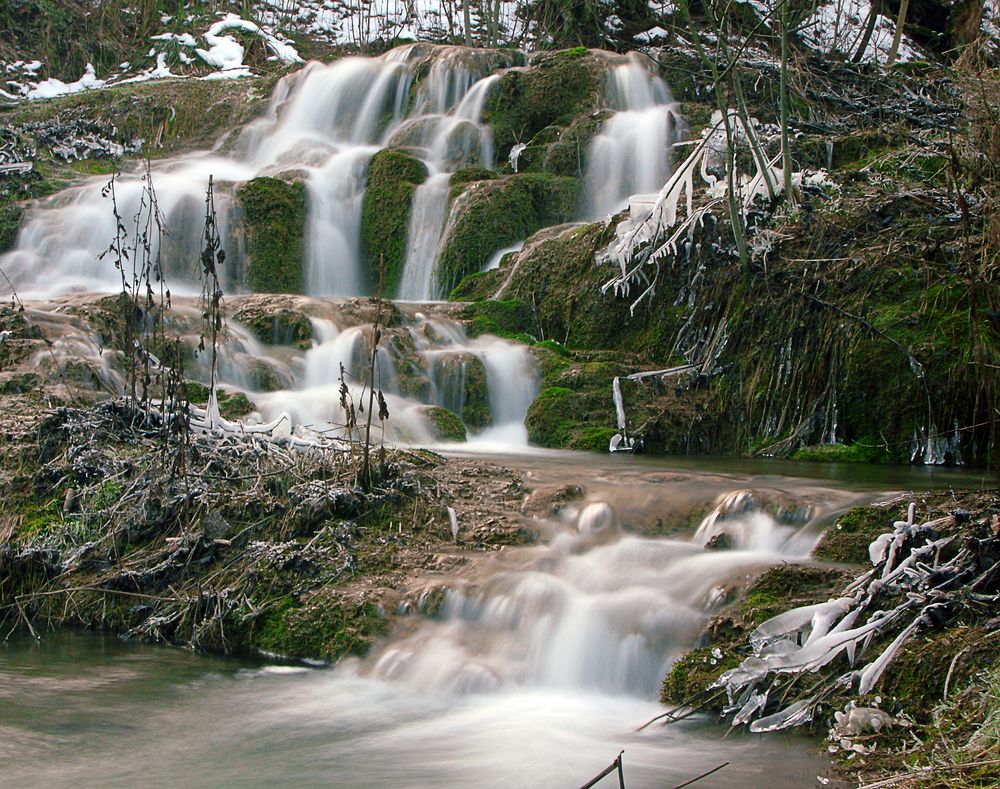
774 591
557 273
320 626
276 325
444 425
864 450
848 539
563 418
476 395
556 88
10 221
509 318
491 215
562 151
275 214
232 405
393 177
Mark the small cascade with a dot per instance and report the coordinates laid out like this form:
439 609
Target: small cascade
593 610
427 219
422 363
631 155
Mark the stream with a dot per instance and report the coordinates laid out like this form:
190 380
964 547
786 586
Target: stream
537 671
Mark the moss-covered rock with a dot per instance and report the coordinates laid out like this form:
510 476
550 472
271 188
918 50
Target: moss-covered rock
507 318
276 325
319 626
865 450
554 89
475 394
444 425
393 177
275 214
848 539
10 221
491 215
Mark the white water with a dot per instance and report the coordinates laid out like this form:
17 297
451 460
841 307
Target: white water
536 673
631 155
442 350
323 126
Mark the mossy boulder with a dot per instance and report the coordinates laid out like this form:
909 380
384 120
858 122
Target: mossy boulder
276 325
864 450
491 215
476 395
556 88
848 539
393 177
444 425
557 272
10 221
462 387
320 625
275 214
509 318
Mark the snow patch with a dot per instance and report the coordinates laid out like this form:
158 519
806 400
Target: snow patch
51 88
839 26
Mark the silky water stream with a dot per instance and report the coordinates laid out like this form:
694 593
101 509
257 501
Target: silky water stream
536 672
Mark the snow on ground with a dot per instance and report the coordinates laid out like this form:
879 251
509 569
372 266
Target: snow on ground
990 25
839 26
221 52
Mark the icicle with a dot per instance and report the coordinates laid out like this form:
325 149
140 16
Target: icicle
794 715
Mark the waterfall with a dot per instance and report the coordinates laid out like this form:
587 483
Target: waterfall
427 219
594 609
323 126
631 154
410 370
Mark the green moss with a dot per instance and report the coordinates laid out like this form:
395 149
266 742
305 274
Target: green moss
558 348
478 286
503 318
781 588
694 672
864 450
552 417
495 214
275 221
10 221
918 675
476 395
280 326
848 539
556 88
234 406
592 439
317 628
445 426
393 177
467 175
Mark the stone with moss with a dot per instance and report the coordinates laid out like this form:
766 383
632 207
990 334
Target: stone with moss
444 425
507 318
864 450
275 213
276 325
393 177
554 89
848 539
10 221
320 625
475 394
491 215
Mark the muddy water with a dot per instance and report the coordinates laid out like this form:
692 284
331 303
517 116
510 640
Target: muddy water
536 672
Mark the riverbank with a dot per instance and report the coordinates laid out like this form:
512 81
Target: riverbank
929 715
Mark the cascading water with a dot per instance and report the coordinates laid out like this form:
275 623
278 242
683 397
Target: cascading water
323 126
419 364
631 155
